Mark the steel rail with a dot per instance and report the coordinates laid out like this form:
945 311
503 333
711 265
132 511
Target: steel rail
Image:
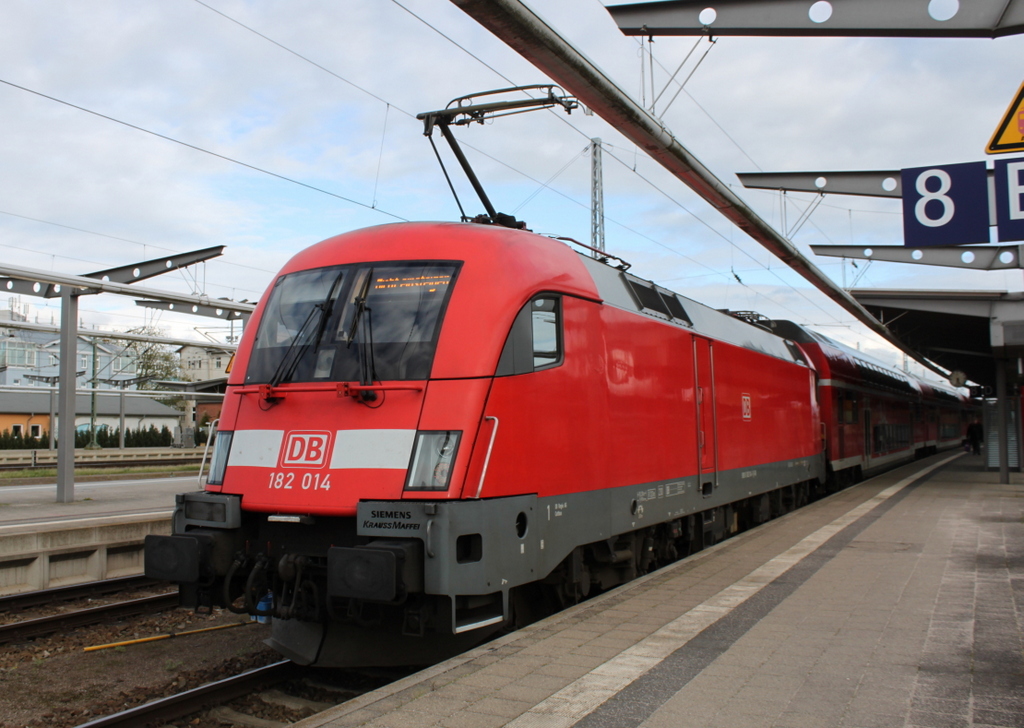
525 32
109 464
26 600
196 699
42 626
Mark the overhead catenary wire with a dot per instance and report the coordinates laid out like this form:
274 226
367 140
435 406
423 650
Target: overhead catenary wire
199 149
723 237
294 53
306 59
380 154
739 147
786 283
547 184
456 44
469 146
711 118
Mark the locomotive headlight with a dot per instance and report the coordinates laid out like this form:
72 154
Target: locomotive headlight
219 461
432 460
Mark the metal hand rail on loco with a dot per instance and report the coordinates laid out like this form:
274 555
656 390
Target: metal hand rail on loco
487 457
206 451
345 389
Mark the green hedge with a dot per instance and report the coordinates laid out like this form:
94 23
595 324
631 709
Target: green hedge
106 437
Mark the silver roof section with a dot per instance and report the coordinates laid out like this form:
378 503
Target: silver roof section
704 320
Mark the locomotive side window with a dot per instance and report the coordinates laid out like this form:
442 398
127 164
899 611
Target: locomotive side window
535 340
545 332
366 322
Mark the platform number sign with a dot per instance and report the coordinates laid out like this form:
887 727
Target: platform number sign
945 205
1009 179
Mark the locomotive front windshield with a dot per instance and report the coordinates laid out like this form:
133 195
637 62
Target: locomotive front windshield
366 322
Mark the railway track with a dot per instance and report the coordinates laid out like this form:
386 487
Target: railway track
276 695
108 464
42 626
203 697
27 629
10 603
280 689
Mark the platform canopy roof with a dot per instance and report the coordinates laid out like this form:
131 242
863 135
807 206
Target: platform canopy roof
902 18
959 330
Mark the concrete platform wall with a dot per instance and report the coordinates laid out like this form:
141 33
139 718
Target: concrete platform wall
44 559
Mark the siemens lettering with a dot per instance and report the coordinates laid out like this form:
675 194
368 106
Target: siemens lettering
405 515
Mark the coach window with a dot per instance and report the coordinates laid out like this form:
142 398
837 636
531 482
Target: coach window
850 409
535 340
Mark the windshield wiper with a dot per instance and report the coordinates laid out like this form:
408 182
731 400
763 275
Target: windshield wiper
366 365
360 302
294 354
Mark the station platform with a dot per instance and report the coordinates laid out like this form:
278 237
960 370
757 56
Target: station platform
99 535
897 602
32 507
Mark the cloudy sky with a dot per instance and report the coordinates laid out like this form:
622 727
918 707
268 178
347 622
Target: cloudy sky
131 130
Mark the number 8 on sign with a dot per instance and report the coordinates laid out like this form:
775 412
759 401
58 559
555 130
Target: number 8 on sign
945 205
939 195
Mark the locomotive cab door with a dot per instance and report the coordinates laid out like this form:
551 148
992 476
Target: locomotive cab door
704 378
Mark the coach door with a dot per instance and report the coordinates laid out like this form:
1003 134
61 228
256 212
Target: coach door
706 441
868 444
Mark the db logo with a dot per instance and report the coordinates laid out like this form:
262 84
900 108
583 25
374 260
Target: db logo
745 406
306 449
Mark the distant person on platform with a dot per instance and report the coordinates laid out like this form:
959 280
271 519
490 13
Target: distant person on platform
975 433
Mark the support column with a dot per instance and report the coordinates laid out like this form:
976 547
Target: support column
51 436
596 197
120 441
93 443
1003 412
66 397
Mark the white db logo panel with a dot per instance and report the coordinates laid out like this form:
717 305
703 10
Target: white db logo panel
306 449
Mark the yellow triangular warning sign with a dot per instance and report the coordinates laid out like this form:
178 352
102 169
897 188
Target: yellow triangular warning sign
1009 135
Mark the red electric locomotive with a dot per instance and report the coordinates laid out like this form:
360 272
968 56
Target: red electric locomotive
432 431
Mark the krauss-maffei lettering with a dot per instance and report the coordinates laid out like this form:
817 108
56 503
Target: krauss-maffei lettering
390 525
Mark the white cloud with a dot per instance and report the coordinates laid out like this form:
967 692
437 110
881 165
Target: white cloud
180 69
